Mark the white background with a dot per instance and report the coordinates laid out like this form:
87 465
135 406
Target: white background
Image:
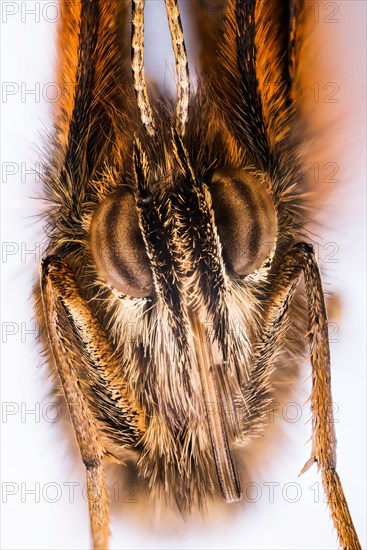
34 450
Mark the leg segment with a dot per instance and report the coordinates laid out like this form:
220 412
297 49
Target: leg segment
300 259
78 342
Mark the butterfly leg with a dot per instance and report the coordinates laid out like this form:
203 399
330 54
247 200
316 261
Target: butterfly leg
300 260
79 343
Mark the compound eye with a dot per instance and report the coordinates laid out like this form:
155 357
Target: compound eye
246 219
117 246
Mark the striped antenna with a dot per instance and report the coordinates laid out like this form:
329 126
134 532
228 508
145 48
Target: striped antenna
182 66
137 46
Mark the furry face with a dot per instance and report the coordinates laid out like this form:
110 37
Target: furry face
186 224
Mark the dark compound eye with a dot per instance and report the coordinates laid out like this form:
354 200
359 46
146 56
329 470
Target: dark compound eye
118 248
246 219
